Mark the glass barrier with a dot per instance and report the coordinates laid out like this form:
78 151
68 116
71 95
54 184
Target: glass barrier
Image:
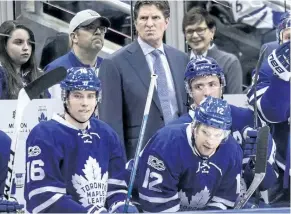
118 33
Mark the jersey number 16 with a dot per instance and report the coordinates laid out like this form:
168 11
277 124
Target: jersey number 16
34 170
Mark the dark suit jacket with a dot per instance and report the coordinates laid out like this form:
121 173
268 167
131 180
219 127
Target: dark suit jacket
125 79
231 68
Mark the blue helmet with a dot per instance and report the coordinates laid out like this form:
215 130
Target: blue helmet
285 22
214 112
205 66
81 78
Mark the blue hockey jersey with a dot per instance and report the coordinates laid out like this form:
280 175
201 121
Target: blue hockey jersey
273 96
273 101
5 143
241 118
69 170
172 176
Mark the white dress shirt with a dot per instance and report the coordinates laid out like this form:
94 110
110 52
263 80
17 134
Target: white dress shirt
147 49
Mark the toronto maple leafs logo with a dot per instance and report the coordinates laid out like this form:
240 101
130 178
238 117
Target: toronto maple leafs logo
92 188
199 200
42 111
42 117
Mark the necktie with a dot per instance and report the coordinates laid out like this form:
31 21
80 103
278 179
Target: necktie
162 86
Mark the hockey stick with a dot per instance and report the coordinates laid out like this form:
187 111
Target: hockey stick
260 167
25 95
259 64
260 148
140 138
260 61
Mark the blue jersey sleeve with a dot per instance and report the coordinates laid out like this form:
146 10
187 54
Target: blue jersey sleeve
242 117
159 177
273 95
229 189
4 158
45 189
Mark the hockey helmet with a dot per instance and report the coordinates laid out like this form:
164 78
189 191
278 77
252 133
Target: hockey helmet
214 112
285 22
81 78
205 66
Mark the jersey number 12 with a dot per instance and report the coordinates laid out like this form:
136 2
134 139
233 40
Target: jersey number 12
151 184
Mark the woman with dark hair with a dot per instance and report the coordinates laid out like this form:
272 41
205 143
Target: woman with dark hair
17 61
199 29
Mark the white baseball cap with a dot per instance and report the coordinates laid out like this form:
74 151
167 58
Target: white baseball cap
86 17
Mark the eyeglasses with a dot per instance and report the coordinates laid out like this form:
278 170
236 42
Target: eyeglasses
93 28
199 31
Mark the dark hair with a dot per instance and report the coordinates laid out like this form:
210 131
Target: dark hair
197 15
55 47
14 81
163 6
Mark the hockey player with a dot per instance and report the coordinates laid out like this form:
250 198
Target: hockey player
204 77
5 206
192 166
273 100
74 161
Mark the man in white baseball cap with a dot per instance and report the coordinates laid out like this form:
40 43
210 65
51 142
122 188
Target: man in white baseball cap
86 30
86 17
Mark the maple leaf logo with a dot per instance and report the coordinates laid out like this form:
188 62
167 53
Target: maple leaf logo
199 200
92 188
42 117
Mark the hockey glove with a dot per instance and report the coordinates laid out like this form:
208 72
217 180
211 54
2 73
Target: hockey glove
97 209
118 207
279 61
10 206
250 145
249 149
249 142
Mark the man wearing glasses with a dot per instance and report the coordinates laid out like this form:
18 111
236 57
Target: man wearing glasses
199 29
86 30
